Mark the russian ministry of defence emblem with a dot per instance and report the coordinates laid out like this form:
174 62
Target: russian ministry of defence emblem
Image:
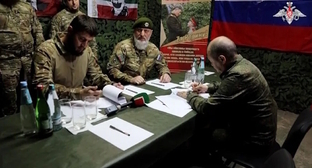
289 13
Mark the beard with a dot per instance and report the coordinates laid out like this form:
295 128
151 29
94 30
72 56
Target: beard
141 45
70 45
9 3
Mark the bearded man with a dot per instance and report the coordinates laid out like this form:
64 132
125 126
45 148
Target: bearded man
20 34
61 21
134 58
67 60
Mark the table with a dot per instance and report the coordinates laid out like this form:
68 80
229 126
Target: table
88 150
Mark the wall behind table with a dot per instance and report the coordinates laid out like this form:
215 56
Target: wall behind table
113 31
288 74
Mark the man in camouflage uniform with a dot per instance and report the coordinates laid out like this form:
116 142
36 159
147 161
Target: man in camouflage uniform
174 24
242 102
66 60
61 21
134 58
20 34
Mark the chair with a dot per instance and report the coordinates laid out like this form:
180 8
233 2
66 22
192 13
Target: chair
294 137
280 159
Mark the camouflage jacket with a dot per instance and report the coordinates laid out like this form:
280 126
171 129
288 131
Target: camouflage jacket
60 23
53 64
127 61
20 31
243 100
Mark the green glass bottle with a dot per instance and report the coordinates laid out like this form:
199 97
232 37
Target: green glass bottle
43 115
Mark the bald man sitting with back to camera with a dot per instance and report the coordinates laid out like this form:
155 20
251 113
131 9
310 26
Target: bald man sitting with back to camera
241 112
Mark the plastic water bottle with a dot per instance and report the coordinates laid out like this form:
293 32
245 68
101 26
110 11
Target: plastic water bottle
53 102
201 71
27 112
194 67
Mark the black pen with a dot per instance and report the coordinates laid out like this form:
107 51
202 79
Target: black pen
157 84
131 90
114 128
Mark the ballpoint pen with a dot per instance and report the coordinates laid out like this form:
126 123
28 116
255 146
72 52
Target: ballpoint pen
157 84
131 90
114 128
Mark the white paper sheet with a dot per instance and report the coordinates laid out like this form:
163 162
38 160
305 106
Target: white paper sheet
164 86
118 139
133 90
113 93
103 102
158 105
207 73
175 91
177 105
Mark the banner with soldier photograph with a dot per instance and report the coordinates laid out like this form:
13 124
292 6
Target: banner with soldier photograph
184 31
113 9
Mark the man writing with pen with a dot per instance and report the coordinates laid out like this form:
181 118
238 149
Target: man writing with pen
133 59
67 60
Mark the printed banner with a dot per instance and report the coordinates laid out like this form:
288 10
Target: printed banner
278 25
46 7
113 9
184 32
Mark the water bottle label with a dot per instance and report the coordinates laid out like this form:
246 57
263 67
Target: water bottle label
45 124
57 121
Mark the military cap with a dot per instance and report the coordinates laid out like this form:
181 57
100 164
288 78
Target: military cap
176 7
143 22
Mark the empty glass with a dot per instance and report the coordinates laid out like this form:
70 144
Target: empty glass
189 79
79 116
91 107
66 110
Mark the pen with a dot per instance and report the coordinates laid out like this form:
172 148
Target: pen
114 128
131 90
157 84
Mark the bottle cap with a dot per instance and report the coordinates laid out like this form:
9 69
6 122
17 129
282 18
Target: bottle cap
23 84
51 86
40 87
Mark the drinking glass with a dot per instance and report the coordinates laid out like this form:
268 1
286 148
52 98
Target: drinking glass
66 111
91 107
79 116
189 79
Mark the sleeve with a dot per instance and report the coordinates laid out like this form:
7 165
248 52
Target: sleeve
230 89
44 75
54 27
36 30
175 25
115 64
161 65
95 74
213 87
94 47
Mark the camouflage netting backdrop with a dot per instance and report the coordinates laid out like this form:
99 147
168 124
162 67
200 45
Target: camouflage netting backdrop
288 74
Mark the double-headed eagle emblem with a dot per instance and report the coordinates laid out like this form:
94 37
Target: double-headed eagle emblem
289 13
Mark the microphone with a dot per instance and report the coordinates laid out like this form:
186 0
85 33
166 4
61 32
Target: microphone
136 101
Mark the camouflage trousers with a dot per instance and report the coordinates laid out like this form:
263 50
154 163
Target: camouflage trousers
12 71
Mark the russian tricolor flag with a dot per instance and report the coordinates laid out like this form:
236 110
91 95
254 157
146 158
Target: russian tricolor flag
278 25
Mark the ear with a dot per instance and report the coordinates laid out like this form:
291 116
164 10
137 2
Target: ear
70 29
222 59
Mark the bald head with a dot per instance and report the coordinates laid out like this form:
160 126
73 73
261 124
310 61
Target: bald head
222 46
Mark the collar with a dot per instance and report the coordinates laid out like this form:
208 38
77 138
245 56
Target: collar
59 44
238 59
